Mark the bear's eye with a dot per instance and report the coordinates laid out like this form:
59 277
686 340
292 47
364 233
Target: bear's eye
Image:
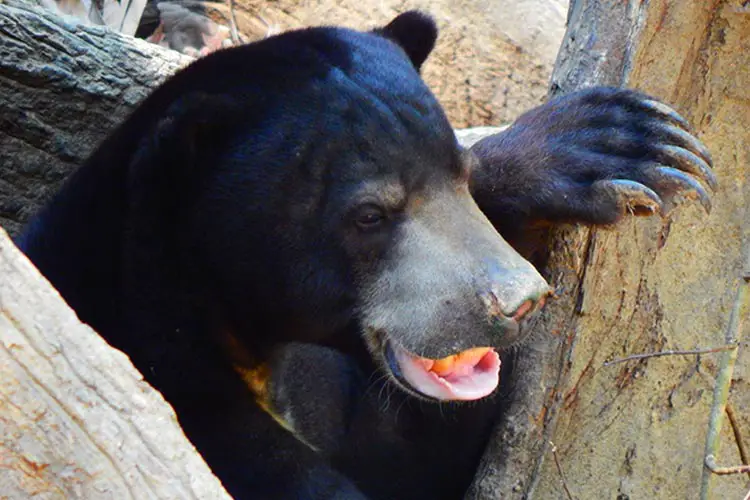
369 217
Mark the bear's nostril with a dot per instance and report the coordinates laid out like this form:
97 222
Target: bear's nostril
496 307
528 307
523 310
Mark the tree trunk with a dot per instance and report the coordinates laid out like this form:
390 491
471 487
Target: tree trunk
637 429
643 286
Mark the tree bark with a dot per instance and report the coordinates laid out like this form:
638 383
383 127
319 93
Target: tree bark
646 285
63 86
637 429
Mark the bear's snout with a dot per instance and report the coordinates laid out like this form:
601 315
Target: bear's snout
514 295
451 284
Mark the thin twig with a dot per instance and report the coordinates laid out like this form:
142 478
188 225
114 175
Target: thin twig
738 436
690 352
560 471
724 378
233 24
725 471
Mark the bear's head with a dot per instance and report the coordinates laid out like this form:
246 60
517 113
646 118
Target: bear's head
315 182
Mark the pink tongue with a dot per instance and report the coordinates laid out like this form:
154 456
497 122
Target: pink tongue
464 384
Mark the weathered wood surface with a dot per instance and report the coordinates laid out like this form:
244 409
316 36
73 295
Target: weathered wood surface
636 430
76 418
63 85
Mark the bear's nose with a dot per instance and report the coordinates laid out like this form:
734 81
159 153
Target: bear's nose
515 295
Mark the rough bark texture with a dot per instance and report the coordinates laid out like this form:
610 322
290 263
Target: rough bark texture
76 418
62 87
637 430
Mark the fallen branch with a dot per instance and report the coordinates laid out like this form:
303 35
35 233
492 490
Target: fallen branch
723 382
741 448
560 471
690 352
725 471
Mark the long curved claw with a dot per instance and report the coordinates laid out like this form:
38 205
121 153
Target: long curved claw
632 196
687 161
675 182
686 140
661 109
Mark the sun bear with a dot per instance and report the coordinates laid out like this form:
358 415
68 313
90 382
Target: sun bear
308 190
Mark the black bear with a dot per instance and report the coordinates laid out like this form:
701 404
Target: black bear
308 190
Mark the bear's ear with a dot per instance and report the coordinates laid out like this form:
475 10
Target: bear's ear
415 32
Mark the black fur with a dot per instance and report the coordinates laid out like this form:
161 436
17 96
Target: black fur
393 445
290 191
554 164
542 171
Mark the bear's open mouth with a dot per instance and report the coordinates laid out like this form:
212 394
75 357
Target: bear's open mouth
466 376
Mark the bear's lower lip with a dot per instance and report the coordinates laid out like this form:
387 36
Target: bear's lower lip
467 376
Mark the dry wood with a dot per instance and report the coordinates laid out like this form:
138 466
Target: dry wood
724 377
76 418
